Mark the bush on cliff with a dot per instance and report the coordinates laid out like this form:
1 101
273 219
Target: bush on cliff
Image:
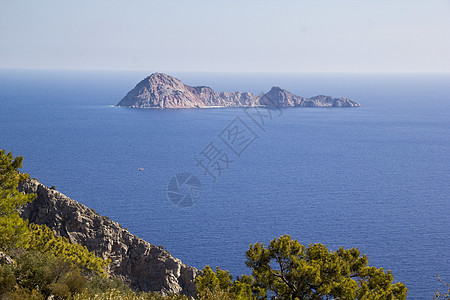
13 230
43 239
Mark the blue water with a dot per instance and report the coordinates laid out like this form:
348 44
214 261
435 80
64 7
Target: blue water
375 177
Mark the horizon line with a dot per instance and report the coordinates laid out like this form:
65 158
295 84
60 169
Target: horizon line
225 71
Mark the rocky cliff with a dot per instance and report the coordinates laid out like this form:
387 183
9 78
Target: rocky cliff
144 266
163 91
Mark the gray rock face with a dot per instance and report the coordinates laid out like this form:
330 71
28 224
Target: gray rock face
144 266
163 91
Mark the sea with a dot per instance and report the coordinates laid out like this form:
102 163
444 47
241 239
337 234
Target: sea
375 177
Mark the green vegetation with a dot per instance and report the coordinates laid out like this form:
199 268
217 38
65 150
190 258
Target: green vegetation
219 285
288 270
42 275
38 276
114 294
13 230
43 239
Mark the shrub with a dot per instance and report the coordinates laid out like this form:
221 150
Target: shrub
7 279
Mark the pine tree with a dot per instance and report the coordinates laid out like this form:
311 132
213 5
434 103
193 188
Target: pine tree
13 229
292 271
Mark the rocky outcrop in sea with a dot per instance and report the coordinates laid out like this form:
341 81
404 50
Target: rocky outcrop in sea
163 91
144 266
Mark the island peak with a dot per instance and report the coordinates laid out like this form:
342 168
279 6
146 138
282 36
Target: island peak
160 90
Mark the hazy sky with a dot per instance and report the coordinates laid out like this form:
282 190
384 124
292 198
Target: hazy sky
227 35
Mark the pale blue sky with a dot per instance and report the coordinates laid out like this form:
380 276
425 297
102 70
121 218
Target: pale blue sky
227 35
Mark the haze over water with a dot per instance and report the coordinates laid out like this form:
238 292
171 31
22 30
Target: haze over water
374 177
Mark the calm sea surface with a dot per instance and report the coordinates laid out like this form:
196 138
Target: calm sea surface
375 177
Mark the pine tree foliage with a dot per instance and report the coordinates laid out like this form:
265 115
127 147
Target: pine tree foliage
286 269
290 270
43 240
13 230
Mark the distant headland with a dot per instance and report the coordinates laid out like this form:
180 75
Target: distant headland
164 91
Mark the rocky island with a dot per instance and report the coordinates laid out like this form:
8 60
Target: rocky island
163 91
